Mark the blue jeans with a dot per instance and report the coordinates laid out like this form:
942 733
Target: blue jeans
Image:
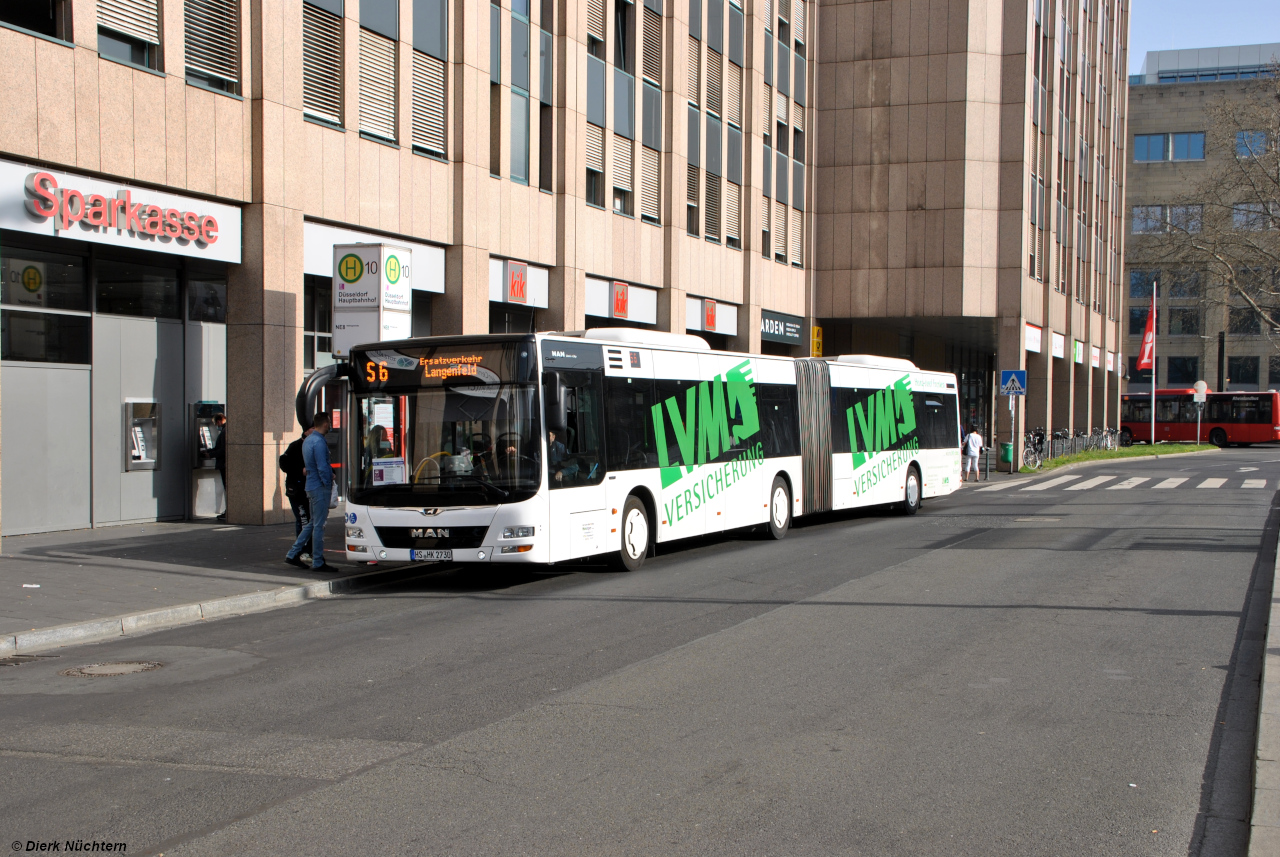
313 530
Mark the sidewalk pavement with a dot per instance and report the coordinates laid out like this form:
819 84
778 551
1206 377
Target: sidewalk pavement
89 579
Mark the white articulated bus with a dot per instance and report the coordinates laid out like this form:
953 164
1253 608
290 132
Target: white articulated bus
548 447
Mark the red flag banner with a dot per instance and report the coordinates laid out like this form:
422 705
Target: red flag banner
1146 357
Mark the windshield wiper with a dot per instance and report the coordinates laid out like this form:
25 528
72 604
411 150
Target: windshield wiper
502 492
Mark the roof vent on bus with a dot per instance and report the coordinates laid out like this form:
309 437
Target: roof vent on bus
636 336
875 361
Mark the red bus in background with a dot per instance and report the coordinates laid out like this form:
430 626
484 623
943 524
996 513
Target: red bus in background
1228 418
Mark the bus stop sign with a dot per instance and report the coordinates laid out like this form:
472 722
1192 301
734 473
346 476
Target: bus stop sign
1013 382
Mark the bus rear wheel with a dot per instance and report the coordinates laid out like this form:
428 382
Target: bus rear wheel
911 492
634 534
1126 437
779 508
1218 437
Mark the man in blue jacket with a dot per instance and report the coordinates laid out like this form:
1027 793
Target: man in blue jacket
315 457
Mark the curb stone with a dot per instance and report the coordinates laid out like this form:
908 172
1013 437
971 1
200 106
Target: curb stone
1264 826
146 622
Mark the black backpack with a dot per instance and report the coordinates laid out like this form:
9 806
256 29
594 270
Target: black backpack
293 466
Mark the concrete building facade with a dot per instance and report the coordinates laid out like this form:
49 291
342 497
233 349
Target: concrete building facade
931 180
971 173
1202 332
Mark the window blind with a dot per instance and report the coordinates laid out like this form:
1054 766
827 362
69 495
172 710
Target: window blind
649 184
652 45
783 11
768 15
733 95
780 229
797 21
213 38
780 107
377 85
692 195
321 64
137 18
595 148
428 103
797 236
623 163
695 52
732 212
713 207
768 111
595 19
797 115
715 82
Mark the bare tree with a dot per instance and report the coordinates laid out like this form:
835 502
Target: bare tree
1227 225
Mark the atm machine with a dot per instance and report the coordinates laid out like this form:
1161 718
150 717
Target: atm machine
208 497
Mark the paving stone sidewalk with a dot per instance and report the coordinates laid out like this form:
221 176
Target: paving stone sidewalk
83 575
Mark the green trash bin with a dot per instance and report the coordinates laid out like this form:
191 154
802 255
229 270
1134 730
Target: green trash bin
1006 453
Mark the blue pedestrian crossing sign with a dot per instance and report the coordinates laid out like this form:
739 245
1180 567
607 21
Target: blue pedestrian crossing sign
1013 382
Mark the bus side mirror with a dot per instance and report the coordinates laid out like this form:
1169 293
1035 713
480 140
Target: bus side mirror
557 401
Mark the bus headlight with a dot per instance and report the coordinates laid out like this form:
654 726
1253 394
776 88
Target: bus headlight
516 548
517 532
355 532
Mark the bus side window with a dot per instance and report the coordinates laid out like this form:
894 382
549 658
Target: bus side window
582 460
629 423
1264 409
779 417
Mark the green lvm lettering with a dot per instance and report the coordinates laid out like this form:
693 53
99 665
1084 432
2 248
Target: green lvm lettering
703 425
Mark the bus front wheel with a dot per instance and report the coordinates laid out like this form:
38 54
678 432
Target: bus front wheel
1218 437
635 535
911 492
779 508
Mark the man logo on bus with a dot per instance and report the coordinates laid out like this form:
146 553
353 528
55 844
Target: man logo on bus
701 423
884 419
350 268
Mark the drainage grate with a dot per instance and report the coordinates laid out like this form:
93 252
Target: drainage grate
19 660
103 670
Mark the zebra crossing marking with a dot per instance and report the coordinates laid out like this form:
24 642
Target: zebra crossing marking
1003 485
1212 482
1173 482
1254 483
1132 482
1090 483
1052 483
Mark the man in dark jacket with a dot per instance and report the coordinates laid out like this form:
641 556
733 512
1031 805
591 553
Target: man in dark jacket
295 483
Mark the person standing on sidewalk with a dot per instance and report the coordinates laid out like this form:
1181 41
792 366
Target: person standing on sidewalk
295 482
315 456
220 456
971 448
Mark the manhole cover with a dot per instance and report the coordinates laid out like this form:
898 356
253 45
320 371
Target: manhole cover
100 670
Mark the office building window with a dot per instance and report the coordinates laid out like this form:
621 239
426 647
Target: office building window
1243 321
322 63
1150 147
48 17
1148 219
213 43
1273 372
1186 218
1139 376
519 137
1182 371
377 85
1140 283
1254 216
1138 319
428 103
1184 321
1242 370
1188 146
623 174
317 322
1185 284
129 31
1251 144
595 165
495 91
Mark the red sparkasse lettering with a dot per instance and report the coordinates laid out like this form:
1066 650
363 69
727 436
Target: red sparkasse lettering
190 226
66 214
208 229
96 215
172 222
154 220
132 212
42 199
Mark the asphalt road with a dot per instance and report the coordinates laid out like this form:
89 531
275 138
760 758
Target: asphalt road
1010 672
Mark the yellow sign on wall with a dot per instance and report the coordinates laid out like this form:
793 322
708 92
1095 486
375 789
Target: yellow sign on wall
815 341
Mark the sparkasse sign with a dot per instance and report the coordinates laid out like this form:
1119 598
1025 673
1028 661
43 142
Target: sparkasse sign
68 205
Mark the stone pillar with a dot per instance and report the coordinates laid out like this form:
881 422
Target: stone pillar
1010 354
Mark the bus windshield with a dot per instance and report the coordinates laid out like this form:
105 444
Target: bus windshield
443 425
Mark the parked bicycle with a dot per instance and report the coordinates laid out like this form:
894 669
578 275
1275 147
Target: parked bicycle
1033 449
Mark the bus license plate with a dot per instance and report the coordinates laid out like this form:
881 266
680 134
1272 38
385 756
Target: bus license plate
433 556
